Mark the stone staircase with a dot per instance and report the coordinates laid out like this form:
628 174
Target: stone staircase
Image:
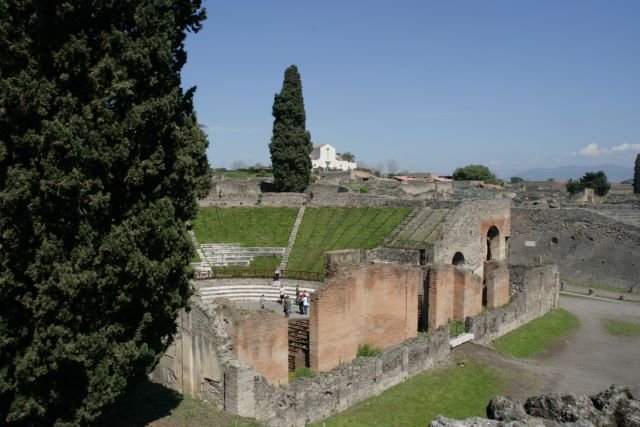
391 236
292 239
298 343
249 292
423 228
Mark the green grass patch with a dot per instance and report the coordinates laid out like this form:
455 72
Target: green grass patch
536 336
366 350
459 391
622 328
263 226
148 403
327 228
244 174
300 373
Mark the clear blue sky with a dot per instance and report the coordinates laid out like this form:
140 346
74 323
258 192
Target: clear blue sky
431 84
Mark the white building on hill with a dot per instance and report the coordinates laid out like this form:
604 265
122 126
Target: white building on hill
324 156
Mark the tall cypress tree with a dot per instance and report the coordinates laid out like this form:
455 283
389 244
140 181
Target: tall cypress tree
636 176
291 143
101 161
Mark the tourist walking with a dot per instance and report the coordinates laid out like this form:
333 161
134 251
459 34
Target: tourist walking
300 303
281 293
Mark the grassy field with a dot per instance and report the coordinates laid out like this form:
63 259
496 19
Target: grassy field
536 336
459 391
326 229
246 226
619 327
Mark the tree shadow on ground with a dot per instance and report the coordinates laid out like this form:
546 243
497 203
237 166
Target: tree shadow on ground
146 403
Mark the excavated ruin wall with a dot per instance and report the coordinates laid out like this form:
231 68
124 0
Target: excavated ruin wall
588 248
535 291
314 398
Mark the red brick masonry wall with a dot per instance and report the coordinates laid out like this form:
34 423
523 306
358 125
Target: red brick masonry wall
261 340
372 304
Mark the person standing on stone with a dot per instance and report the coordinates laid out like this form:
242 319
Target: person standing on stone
305 303
281 293
286 306
300 303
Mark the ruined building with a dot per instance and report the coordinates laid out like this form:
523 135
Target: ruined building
443 262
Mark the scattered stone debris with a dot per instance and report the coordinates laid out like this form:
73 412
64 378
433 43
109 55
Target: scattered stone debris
615 406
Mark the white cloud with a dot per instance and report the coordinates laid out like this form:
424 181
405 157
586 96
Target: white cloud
590 150
626 147
593 150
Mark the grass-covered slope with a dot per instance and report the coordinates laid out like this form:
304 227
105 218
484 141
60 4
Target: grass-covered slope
327 228
322 229
246 226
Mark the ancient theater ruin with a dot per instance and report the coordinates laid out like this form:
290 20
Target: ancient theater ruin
445 262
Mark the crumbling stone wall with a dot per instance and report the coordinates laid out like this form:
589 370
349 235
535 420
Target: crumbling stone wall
536 292
195 362
465 230
311 399
587 247
374 304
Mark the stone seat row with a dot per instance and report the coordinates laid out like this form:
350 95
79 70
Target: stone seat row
248 292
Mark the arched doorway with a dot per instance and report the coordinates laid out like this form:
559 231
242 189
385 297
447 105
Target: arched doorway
493 243
458 259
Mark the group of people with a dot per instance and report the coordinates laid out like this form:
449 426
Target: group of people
302 300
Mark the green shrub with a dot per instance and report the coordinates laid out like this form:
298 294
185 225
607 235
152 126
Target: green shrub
300 373
367 350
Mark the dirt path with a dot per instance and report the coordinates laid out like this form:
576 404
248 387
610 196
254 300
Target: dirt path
586 362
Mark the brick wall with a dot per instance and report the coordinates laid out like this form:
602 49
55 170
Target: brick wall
497 283
370 304
313 398
453 294
261 341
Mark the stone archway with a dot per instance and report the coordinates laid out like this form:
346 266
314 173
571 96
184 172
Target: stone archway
493 243
458 259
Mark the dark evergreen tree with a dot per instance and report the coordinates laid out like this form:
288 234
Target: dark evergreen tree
596 180
291 143
636 176
101 161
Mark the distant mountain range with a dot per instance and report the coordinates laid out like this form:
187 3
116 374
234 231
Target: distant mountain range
615 173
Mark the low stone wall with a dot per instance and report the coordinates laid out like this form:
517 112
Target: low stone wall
314 398
535 292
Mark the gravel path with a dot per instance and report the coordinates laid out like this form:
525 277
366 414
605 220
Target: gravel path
586 362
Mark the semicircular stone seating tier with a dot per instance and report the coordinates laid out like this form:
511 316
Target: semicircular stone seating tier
252 289
226 254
